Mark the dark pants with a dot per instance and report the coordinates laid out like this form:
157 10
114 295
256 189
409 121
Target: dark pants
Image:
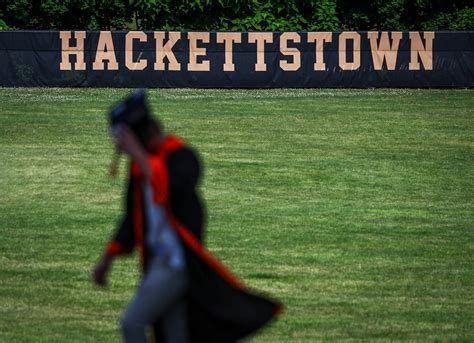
160 295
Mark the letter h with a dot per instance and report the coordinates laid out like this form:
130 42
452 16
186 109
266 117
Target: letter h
67 50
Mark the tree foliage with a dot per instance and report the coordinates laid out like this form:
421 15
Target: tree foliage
238 15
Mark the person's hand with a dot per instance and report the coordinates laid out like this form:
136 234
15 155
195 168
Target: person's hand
128 143
99 274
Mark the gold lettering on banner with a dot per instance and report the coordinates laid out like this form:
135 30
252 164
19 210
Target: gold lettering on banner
229 38
424 51
105 52
141 63
384 50
194 51
320 38
343 38
260 38
67 50
166 50
294 52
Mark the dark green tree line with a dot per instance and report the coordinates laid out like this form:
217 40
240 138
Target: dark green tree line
237 15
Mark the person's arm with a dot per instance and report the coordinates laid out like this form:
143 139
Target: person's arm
184 173
128 143
121 243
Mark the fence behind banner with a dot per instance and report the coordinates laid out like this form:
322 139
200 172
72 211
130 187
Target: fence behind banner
236 59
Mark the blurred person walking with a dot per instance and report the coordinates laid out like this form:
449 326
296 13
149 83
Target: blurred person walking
186 294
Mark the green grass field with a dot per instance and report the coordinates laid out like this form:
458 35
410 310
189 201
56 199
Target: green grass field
353 207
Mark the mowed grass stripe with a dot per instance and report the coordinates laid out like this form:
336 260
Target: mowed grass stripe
354 207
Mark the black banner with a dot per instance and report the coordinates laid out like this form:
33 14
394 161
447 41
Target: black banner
236 59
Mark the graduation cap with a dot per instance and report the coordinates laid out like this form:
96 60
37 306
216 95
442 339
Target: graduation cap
133 112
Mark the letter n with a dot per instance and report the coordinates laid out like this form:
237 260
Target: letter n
424 51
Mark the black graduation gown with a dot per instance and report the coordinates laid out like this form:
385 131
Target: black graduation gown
220 308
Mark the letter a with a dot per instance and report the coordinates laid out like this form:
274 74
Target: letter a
105 52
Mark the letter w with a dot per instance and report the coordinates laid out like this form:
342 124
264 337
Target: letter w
384 51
